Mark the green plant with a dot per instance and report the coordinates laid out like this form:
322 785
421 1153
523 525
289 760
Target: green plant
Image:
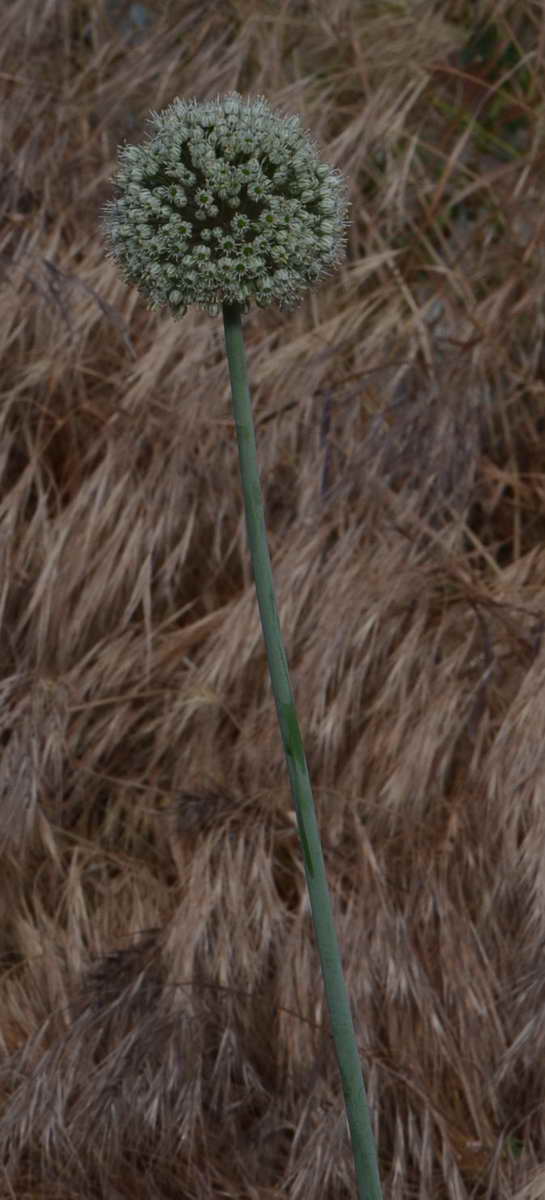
229 203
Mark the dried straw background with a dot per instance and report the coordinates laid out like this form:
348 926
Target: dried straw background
162 1027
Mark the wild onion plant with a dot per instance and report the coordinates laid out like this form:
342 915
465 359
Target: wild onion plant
227 203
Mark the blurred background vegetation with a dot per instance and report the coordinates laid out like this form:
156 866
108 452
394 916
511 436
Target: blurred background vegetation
162 1027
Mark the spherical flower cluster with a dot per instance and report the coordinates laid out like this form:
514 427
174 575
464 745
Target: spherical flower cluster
226 202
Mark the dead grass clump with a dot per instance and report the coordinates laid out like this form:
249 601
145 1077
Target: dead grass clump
162 1031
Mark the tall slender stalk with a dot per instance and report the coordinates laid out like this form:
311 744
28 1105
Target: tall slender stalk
363 1144
228 203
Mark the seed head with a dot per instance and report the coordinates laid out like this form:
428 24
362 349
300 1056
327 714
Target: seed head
226 202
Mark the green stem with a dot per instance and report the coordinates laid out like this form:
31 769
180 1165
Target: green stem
363 1144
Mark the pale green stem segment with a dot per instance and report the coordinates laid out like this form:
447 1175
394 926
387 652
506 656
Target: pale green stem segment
363 1144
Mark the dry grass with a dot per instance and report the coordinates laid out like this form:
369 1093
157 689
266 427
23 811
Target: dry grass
162 1026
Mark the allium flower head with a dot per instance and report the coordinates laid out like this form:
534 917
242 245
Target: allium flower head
226 202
